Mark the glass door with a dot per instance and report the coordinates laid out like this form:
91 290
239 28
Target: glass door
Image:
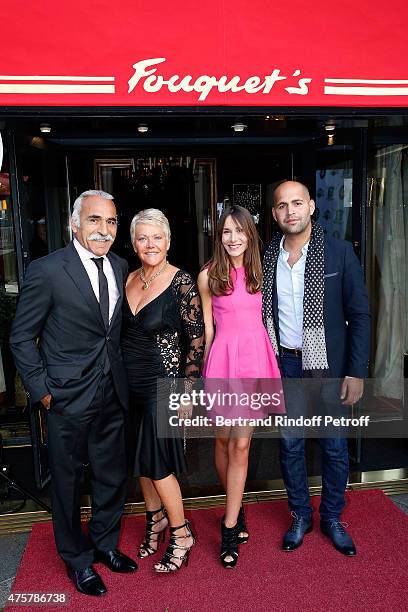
10 390
33 222
387 274
386 252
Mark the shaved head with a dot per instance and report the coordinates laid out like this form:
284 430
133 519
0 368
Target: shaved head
290 184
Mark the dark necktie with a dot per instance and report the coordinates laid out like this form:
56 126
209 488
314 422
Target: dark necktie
103 290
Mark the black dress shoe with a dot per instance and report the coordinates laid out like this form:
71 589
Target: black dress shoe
116 561
87 581
293 538
339 536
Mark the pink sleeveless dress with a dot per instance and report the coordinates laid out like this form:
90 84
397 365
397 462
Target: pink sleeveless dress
241 348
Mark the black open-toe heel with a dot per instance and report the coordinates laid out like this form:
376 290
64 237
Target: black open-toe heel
172 562
229 545
151 536
242 528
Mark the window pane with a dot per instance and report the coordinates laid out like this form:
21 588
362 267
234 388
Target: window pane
334 188
11 391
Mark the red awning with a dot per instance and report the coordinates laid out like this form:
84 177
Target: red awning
218 52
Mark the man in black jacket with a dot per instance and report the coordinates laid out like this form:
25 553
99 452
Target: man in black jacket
316 310
66 344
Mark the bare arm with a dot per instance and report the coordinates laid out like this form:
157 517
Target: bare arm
206 301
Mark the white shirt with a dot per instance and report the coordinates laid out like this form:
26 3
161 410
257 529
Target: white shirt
290 286
92 271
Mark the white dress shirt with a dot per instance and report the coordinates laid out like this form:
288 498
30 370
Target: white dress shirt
92 271
290 286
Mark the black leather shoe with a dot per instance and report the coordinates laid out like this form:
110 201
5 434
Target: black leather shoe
293 538
87 581
339 536
116 561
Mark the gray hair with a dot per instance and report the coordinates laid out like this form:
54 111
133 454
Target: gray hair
76 211
150 216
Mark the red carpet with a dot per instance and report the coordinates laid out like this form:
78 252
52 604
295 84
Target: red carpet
314 577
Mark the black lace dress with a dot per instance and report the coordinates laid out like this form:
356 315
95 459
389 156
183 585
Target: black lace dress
164 339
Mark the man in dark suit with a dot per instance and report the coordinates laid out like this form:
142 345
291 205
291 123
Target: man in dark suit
65 340
315 307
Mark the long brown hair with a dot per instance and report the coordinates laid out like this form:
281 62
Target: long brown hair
220 265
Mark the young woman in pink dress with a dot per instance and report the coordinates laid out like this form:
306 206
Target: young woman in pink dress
237 350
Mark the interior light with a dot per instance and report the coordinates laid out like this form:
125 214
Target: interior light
239 127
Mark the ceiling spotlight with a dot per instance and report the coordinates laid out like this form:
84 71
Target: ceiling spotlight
239 127
142 128
45 128
329 127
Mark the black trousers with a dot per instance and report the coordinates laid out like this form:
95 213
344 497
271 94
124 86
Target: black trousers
97 436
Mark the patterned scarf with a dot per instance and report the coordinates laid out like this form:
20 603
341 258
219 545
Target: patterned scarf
314 356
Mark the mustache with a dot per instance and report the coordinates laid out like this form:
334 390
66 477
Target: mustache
101 237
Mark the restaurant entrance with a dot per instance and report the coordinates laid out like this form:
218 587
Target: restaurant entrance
191 168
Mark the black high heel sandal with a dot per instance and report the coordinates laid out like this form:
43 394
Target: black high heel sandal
146 549
167 563
229 545
241 526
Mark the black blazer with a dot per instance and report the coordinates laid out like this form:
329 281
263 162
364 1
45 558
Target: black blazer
346 311
58 306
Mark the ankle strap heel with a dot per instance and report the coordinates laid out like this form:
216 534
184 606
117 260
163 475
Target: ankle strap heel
153 536
171 561
229 545
242 528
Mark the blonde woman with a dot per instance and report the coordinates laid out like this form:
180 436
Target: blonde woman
162 307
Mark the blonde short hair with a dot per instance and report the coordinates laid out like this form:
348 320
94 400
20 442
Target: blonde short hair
150 216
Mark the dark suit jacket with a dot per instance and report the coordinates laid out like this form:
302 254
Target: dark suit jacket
346 311
58 306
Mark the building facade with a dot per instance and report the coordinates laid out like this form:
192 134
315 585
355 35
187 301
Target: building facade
188 108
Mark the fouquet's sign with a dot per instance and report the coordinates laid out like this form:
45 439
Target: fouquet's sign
154 84
147 76
220 53
146 73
